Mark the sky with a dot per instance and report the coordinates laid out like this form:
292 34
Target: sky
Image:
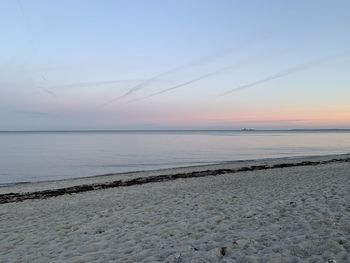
184 64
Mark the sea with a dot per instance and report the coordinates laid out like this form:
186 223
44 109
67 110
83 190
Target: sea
44 156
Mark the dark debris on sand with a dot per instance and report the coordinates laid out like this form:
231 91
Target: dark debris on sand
19 197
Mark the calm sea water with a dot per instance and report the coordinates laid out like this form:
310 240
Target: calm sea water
38 156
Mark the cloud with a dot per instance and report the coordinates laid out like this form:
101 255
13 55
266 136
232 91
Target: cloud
191 64
287 72
207 75
93 83
191 81
49 92
31 114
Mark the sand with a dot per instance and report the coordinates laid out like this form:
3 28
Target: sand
295 214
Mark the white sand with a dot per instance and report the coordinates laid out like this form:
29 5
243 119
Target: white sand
299 214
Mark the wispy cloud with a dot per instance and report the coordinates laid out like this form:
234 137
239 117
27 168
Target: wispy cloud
231 67
207 75
48 91
191 64
29 113
287 72
94 83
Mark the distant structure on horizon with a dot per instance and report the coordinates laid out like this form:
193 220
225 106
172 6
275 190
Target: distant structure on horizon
247 129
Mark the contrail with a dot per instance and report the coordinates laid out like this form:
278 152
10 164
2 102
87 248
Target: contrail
190 81
194 63
153 79
49 92
46 90
231 67
287 72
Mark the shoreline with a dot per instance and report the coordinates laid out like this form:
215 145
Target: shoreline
263 211
174 168
16 193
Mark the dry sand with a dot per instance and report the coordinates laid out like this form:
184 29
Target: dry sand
295 214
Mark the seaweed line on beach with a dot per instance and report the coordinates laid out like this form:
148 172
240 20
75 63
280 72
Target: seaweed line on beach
19 197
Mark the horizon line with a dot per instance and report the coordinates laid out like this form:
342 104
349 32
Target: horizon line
179 130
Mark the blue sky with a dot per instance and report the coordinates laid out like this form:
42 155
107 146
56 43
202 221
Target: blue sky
61 62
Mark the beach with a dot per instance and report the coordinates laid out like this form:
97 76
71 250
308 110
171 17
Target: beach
174 131
276 210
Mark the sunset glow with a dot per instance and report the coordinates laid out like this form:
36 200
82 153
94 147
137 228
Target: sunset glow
196 69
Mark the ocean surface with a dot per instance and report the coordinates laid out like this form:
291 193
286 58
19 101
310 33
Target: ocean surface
42 156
